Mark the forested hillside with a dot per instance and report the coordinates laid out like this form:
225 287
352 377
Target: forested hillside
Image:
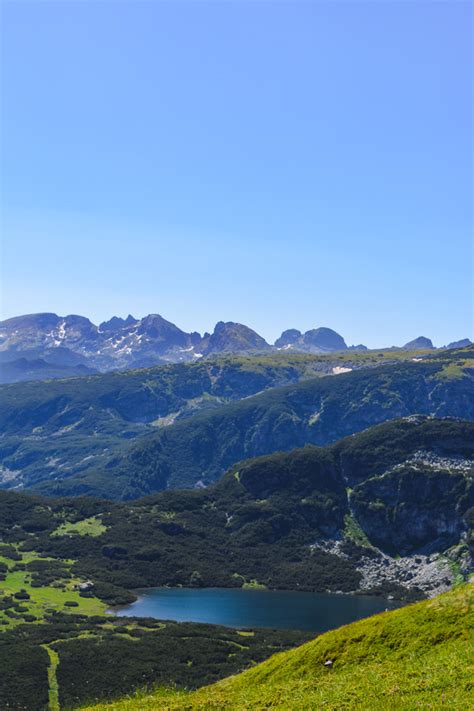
123 435
57 428
373 512
196 451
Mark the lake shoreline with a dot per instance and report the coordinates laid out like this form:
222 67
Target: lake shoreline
248 608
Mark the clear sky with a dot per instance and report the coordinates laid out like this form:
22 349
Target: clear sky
281 164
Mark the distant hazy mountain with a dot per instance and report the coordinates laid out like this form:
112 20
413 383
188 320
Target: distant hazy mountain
288 338
317 340
117 343
21 369
122 343
233 338
463 343
420 343
324 338
129 343
116 323
359 347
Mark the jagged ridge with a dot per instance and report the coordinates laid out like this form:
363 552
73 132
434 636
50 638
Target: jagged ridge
131 342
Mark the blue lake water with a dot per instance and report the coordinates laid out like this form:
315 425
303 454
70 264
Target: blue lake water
235 607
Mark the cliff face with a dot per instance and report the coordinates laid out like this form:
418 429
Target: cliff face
413 508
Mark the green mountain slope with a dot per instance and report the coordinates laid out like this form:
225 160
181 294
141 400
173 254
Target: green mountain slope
142 396
387 510
57 428
417 657
198 450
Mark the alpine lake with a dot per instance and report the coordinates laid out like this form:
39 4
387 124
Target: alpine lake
255 608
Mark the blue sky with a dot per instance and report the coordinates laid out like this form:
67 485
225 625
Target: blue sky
281 164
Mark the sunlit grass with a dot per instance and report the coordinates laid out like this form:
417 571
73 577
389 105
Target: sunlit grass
92 526
43 599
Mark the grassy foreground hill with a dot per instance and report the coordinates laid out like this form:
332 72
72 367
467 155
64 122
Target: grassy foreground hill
417 657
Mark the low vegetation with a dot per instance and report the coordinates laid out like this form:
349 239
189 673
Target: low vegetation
455 370
73 659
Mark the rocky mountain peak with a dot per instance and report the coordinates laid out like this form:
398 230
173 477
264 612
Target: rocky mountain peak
233 337
158 328
45 330
76 328
287 338
30 321
419 343
316 340
116 323
324 338
141 343
463 343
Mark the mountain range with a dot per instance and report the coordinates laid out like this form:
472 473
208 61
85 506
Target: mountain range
45 345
